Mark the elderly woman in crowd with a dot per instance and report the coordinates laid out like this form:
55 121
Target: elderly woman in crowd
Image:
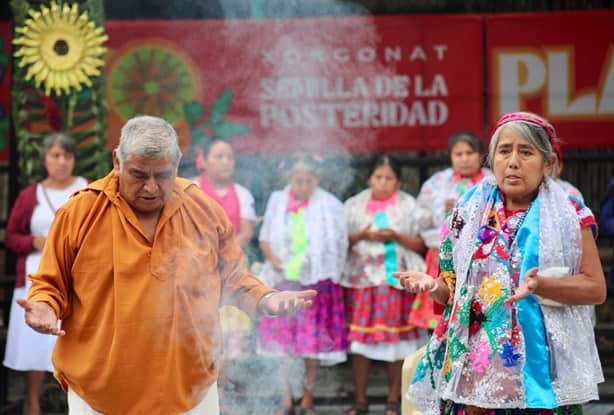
519 271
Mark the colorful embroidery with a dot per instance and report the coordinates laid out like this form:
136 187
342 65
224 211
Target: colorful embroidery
479 357
509 356
491 290
480 333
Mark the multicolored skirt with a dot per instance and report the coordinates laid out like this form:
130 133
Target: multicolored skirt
451 408
319 332
379 314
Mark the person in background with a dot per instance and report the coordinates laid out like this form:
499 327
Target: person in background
557 169
304 241
26 233
135 267
216 161
383 225
519 272
438 195
606 223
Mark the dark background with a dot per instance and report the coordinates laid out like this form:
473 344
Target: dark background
218 9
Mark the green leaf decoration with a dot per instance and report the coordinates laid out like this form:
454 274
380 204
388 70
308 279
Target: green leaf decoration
227 129
193 112
221 106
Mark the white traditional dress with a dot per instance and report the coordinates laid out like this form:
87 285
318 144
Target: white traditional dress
310 239
27 349
376 306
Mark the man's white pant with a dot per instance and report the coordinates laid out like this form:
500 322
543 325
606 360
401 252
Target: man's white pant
208 406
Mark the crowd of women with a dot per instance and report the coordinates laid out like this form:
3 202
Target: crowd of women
489 275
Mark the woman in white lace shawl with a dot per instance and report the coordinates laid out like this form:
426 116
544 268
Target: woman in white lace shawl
519 271
304 241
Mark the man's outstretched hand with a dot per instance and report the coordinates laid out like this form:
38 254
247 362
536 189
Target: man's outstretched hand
41 317
285 303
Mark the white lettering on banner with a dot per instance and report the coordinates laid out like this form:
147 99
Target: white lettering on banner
417 54
354 114
440 50
392 86
364 54
438 87
512 86
559 79
386 100
606 104
319 102
527 74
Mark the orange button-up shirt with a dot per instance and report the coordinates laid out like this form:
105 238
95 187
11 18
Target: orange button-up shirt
141 317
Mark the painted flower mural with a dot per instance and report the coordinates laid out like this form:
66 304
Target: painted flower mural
61 48
152 79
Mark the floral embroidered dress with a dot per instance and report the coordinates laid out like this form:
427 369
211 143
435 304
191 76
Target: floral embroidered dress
441 186
488 353
378 310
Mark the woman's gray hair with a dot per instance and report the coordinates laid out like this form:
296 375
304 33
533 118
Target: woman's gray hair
62 139
534 134
302 161
148 137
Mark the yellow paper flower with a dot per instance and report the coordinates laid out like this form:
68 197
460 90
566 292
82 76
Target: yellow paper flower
61 48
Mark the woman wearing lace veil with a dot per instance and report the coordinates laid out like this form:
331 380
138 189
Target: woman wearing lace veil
519 271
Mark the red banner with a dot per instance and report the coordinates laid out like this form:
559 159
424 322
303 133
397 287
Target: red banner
560 65
356 83
5 89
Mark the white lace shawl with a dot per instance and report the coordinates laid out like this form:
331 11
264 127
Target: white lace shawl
326 234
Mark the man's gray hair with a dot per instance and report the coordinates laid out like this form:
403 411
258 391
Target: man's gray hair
148 137
534 134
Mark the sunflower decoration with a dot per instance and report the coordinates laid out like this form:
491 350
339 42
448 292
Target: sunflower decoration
61 48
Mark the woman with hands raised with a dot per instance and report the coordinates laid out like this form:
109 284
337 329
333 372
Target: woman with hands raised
383 224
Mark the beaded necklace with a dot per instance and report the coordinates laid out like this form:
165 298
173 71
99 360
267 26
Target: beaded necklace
523 216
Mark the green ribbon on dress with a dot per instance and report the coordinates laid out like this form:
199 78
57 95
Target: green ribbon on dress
298 234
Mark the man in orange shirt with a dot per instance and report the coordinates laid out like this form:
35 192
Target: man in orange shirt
135 267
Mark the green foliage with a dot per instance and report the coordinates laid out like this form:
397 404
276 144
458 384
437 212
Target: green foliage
227 129
202 130
221 106
83 114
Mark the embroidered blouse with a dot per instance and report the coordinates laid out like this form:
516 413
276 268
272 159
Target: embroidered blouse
366 265
492 354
